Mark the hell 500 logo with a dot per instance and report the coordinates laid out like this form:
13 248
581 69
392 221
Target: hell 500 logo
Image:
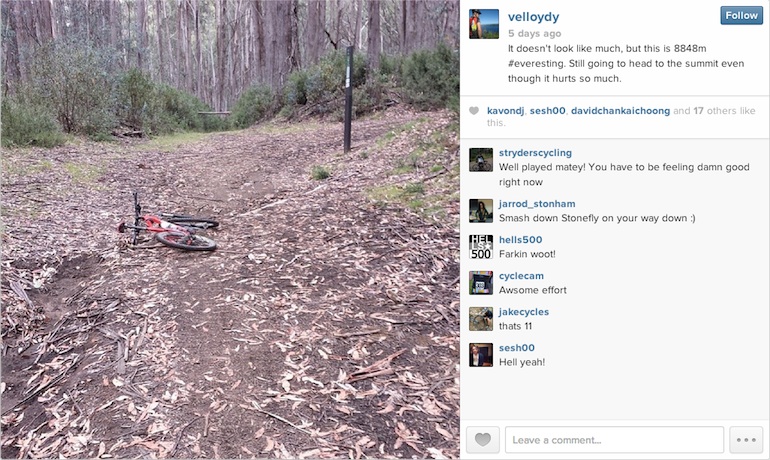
481 246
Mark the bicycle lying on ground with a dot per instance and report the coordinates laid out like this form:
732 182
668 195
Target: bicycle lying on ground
485 166
175 230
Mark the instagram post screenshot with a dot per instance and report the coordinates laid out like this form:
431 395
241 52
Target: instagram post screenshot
384 229
617 304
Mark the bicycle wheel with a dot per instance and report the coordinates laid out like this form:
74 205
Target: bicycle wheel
194 222
487 167
474 167
186 241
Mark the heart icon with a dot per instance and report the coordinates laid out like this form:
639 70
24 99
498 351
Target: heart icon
483 439
474 110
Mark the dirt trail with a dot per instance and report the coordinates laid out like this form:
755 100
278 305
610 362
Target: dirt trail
324 326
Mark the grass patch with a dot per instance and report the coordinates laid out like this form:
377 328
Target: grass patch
416 188
82 173
395 193
388 137
171 142
385 139
411 196
408 163
319 173
19 170
384 193
287 128
416 205
403 169
44 165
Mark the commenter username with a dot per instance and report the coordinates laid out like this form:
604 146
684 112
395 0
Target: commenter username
593 110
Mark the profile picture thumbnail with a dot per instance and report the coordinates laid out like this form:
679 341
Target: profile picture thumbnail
481 246
481 282
483 24
481 318
481 159
480 354
481 210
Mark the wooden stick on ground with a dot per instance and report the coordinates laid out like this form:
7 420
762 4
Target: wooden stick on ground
356 334
179 436
256 407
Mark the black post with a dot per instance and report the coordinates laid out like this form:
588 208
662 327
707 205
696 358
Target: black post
348 98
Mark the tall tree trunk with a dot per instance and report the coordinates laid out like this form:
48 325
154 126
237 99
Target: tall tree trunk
114 17
374 44
280 31
141 34
260 38
44 21
159 22
85 17
198 56
189 70
335 20
315 39
181 46
221 97
23 42
413 25
451 33
173 65
10 49
357 27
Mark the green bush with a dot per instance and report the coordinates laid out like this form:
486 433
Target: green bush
254 104
415 188
24 124
295 91
135 93
431 78
319 173
428 79
374 94
72 77
172 110
177 111
391 65
322 86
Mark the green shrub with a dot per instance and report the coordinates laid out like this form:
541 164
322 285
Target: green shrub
416 188
72 77
295 91
135 93
24 124
373 94
172 110
178 110
254 104
319 173
391 65
322 86
431 78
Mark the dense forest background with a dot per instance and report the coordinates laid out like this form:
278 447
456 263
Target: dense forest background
150 66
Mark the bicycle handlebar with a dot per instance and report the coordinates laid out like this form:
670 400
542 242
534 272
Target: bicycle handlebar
137 206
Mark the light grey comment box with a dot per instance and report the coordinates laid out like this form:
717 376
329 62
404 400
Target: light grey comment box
614 439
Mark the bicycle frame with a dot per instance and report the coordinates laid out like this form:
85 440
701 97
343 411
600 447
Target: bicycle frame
156 224
169 233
